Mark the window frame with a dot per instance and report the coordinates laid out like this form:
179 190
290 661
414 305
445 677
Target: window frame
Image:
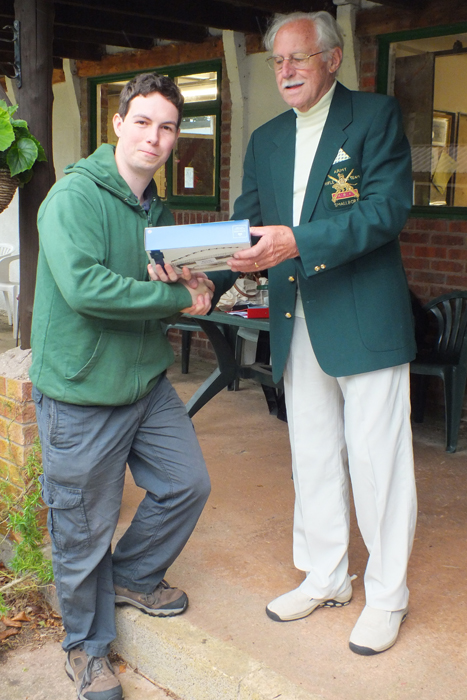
208 108
382 77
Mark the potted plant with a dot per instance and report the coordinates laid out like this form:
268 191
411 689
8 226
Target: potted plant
19 150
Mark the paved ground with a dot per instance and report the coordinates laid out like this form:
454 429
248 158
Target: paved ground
32 673
7 341
239 558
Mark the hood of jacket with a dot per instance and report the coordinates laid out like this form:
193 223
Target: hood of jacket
101 168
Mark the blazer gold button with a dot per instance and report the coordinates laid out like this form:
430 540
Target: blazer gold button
317 268
287 315
291 279
323 267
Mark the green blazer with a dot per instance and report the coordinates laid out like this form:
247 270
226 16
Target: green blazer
353 285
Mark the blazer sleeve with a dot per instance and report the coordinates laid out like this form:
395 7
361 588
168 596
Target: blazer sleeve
248 205
334 238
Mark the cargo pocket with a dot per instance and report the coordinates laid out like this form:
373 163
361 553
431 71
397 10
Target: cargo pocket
68 524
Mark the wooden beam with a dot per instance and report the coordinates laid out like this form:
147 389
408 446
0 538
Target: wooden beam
6 56
386 20
58 75
209 13
159 56
96 36
35 106
67 16
4 96
283 6
78 51
81 51
287 6
412 6
7 10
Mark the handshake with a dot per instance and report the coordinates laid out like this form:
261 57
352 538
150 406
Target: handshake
200 287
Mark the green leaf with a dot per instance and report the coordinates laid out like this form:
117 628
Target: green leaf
11 110
22 156
40 151
19 123
20 131
7 135
25 177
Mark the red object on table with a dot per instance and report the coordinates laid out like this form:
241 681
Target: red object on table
258 312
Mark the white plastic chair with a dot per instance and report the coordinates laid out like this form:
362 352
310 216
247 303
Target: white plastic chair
10 289
5 249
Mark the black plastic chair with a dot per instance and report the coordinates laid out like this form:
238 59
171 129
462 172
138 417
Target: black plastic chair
443 354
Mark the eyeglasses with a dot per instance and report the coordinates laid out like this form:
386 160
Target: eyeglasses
297 60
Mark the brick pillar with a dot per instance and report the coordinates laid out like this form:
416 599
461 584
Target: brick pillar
18 428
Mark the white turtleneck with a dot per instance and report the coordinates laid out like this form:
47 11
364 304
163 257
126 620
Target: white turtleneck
309 128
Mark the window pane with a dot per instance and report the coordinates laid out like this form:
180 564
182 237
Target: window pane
107 105
194 157
200 87
429 78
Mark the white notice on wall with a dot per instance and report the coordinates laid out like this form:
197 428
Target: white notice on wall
189 177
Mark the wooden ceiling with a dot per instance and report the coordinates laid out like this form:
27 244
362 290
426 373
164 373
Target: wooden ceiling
83 28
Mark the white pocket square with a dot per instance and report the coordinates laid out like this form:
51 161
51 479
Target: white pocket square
341 155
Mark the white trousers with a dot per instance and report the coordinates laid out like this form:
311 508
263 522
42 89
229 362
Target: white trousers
357 426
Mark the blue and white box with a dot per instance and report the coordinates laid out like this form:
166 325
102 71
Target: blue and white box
204 247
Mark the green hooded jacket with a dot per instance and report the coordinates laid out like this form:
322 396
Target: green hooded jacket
96 333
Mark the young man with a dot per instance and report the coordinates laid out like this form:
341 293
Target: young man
102 397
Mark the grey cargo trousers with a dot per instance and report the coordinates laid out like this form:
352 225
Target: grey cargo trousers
85 450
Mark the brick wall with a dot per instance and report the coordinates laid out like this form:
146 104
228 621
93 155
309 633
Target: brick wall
368 64
200 345
18 431
435 256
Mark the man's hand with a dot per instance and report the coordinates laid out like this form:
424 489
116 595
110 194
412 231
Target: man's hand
170 276
276 244
201 296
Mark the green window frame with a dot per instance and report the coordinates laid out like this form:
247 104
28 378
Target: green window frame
209 108
382 80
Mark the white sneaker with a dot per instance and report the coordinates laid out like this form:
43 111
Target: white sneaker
296 604
376 630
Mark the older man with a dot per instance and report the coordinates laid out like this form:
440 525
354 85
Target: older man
328 184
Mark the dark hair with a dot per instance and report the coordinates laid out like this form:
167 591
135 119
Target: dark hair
146 83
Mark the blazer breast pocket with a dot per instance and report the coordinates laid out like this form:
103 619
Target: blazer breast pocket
342 185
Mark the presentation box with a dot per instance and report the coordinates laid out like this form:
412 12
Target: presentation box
204 247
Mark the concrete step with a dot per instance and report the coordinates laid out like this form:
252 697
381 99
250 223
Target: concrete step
195 665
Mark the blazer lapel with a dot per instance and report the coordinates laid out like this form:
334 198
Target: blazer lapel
282 162
332 138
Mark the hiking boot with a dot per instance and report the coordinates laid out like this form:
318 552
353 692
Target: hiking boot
93 676
164 601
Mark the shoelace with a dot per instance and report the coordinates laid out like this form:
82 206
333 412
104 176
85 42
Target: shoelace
94 665
150 598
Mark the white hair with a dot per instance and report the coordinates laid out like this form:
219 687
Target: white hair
328 33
